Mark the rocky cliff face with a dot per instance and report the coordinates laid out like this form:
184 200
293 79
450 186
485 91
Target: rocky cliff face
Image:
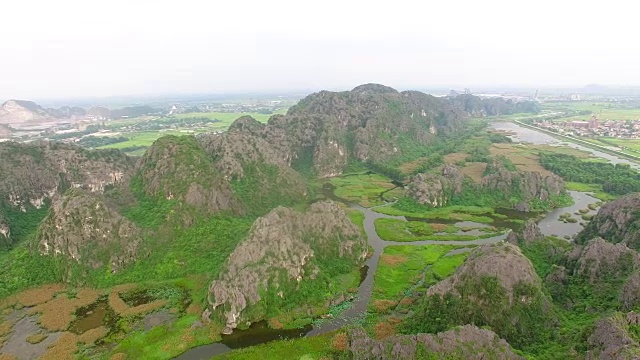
5 231
179 168
529 185
503 261
21 111
466 342
611 340
243 155
369 123
5 132
600 260
35 172
493 287
82 227
499 180
436 190
283 249
617 221
529 233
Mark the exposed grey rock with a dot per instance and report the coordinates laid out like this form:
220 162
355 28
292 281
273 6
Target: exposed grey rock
5 231
465 342
502 260
616 221
436 190
35 172
531 185
178 168
611 340
329 128
600 259
528 234
630 294
283 246
83 228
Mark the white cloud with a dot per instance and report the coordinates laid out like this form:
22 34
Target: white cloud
73 48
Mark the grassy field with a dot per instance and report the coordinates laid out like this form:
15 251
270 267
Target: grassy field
401 266
443 268
604 111
364 189
307 348
228 117
461 213
596 189
632 144
398 230
143 138
147 137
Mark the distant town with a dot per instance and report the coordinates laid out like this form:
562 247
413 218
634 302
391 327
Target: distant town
621 129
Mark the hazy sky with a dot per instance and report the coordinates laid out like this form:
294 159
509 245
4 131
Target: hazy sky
69 48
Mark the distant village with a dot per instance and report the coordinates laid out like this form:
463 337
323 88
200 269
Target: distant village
621 129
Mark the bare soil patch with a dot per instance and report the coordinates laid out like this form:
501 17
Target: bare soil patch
392 260
474 170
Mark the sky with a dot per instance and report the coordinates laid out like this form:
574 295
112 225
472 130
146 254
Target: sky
71 48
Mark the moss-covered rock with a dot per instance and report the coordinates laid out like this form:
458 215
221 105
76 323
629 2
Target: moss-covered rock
616 221
288 260
465 342
82 227
497 286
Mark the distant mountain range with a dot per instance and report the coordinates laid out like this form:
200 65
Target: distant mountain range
23 112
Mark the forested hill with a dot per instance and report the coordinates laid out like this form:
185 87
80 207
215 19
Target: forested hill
327 131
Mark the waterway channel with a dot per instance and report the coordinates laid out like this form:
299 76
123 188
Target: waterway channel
258 334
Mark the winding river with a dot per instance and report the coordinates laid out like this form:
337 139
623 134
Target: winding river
523 134
549 225
260 333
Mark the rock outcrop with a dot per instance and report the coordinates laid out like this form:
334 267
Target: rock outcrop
283 249
5 231
34 172
493 287
243 155
529 233
503 261
375 123
599 260
82 227
611 340
22 111
5 132
630 293
528 185
501 180
178 168
436 190
617 221
465 342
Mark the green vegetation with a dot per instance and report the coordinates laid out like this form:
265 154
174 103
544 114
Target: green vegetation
23 269
484 302
134 135
401 266
616 179
264 187
176 252
399 230
357 217
307 348
365 189
164 341
595 189
22 224
410 208
444 267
